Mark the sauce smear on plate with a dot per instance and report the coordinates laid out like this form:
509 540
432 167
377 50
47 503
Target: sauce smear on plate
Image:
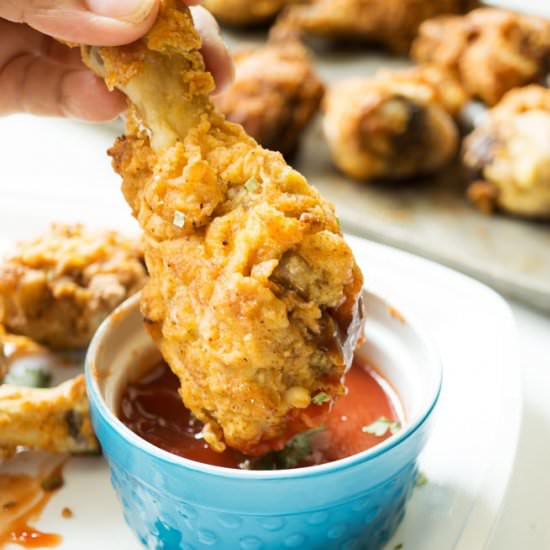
364 417
22 499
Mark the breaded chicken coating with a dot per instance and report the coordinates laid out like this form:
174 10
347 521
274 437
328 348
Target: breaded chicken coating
244 13
57 288
509 155
394 125
392 23
275 95
54 419
490 50
253 296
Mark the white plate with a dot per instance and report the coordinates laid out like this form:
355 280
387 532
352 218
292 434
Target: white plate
469 458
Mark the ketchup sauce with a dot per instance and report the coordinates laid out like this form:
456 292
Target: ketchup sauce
152 408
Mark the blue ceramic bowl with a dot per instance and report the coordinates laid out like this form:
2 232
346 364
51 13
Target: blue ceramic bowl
173 503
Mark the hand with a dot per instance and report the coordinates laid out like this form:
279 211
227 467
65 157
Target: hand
41 76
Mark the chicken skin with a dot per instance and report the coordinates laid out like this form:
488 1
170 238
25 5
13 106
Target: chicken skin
395 125
54 420
275 95
490 50
245 13
57 288
392 23
48 419
254 298
509 155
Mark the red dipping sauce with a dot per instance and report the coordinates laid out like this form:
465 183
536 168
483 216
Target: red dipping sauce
152 408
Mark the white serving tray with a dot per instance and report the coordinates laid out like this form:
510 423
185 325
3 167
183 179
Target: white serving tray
470 456
469 459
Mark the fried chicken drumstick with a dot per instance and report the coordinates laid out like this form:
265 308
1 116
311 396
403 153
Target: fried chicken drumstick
50 419
509 155
253 297
54 420
394 125
244 13
393 23
490 50
275 95
57 288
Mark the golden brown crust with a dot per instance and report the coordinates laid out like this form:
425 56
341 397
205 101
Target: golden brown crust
490 50
55 420
245 13
242 301
57 288
394 125
509 155
393 23
275 94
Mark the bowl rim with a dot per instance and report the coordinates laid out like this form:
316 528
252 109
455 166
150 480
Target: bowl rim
95 396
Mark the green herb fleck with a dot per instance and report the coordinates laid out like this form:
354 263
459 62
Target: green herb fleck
9 505
295 451
179 219
31 377
382 426
398 546
321 398
52 483
251 185
421 479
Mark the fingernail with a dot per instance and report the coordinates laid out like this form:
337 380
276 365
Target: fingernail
132 11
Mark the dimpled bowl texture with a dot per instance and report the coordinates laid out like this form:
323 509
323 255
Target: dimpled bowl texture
172 503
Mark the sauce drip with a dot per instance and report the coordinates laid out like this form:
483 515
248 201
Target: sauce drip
152 408
22 499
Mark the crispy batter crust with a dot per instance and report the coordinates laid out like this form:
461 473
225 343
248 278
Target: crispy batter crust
245 13
393 23
252 287
57 288
275 94
55 420
490 50
509 155
394 125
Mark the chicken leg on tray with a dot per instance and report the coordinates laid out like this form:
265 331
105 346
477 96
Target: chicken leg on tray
253 297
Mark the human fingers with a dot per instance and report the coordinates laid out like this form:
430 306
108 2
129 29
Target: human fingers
93 22
40 76
216 55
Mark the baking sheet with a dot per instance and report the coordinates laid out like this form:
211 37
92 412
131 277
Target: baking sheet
429 216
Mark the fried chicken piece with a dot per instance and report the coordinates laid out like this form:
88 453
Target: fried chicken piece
393 23
253 296
275 95
245 13
509 155
394 125
57 288
54 419
490 50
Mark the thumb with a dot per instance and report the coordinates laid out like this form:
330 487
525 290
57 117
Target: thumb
93 22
